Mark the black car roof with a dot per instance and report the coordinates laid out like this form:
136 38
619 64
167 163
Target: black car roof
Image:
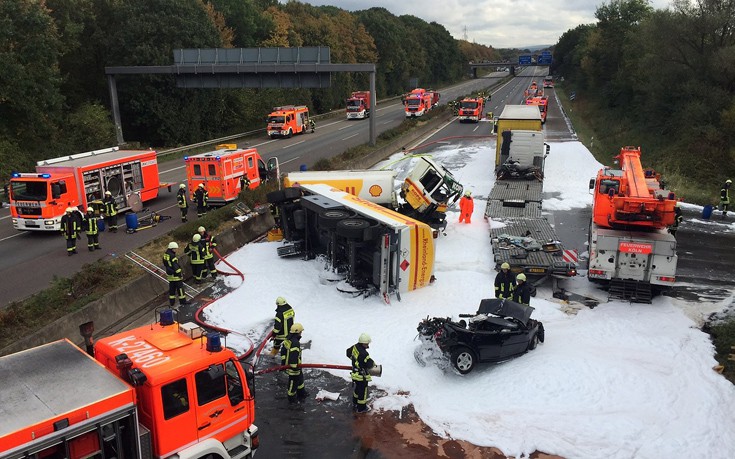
505 308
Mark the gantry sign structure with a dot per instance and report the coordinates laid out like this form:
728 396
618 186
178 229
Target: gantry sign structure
302 67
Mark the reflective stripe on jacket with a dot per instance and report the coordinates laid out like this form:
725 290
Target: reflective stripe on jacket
361 362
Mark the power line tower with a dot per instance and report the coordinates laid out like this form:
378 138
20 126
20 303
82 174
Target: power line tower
465 33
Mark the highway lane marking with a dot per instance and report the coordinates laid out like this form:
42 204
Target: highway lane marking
10 237
289 160
171 170
3 218
294 144
343 127
353 135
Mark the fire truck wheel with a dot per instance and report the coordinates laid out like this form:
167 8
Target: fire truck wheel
352 228
292 192
289 134
329 218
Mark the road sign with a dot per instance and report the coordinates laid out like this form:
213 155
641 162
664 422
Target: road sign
544 59
524 60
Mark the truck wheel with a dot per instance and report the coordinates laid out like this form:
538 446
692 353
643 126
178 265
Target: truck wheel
292 192
329 218
463 359
289 134
276 197
352 228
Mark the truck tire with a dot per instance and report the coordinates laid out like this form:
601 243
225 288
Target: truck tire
463 359
299 219
289 134
292 192
329 218
352 228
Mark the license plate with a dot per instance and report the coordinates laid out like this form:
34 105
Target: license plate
537 270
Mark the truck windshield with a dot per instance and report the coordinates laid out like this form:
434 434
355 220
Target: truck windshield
413 102
354 103
29 190
468 104
276 119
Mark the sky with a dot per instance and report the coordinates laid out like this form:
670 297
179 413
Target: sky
496 23
617 381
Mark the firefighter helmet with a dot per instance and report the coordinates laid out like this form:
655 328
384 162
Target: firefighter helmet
108 193
505 266
173 245
201 185
280 301
196 238
364 339
201 229
89 209
728 181
69 210
521 277
182 186
678 203
468 193
296 328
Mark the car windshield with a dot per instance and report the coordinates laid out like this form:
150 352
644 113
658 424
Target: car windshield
29 190
276 119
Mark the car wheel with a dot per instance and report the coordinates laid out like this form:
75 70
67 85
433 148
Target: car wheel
463 360
289 133
533 343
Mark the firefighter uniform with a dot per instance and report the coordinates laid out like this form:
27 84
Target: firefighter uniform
209 245
70 230
504 282
361 364
725 197
522 292
195 251
201 196
110 211
174 275
183 202
677 220
295 390
466 207
282 323
92 230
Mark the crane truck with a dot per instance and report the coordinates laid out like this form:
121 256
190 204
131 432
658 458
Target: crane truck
630 250
166 390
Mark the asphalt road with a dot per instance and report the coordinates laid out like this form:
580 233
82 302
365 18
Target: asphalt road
33 259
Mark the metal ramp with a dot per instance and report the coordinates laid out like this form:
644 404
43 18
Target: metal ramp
630 290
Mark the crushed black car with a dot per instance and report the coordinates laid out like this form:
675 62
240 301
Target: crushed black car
500 330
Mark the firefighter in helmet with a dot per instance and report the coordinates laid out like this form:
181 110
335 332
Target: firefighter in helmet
174 275
92 230
70 230
110 207
504 282
522 291
295 390
361 365
195 250
285 317
725 197
201 196
183 202
209 245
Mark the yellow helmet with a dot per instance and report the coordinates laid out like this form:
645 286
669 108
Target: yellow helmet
505 266
296 328
89 209
201 229
364 339
182 186
521 277
196 238
280 301
173 245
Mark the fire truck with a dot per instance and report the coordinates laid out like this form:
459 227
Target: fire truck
470 109
548 81
542 103
288 120
419 101
630 250
533 91
168 390
358 105
39 200
225 171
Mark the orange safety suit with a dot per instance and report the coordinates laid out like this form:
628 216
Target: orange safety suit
466 206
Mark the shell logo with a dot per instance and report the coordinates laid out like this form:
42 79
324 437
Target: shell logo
375 190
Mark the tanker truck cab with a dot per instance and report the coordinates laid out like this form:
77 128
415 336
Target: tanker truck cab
428 190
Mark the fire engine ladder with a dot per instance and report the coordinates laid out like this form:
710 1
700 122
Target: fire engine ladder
159 272
630 290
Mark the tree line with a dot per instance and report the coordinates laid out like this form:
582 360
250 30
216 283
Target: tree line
663 79
54 98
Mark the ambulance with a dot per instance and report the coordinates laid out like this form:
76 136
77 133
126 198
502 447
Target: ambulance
225 171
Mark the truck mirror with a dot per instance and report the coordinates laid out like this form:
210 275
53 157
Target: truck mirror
55 191
548 148
592 184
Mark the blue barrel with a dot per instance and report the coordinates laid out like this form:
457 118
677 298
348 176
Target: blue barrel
131 220
707 211
302 168
100 224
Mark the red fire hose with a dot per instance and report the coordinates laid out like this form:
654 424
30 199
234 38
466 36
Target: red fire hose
225 273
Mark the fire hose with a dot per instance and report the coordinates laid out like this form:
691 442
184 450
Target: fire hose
237 271
304 365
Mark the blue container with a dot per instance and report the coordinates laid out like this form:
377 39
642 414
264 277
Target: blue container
100 225
707 211
131 221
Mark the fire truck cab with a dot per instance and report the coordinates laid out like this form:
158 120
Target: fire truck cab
288 120
225 172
